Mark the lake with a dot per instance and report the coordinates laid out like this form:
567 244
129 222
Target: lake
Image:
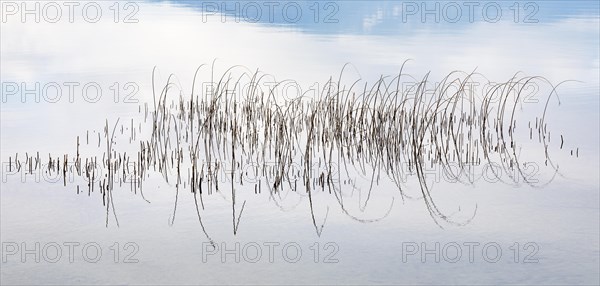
342 142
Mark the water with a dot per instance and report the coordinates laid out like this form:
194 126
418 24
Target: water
548 234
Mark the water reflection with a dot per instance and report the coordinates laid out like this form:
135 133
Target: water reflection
347 137
394 18
175 38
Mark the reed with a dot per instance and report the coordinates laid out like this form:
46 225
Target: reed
379 132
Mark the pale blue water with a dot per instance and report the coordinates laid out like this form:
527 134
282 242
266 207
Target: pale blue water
547 235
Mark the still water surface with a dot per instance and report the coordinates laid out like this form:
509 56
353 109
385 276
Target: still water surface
546 235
